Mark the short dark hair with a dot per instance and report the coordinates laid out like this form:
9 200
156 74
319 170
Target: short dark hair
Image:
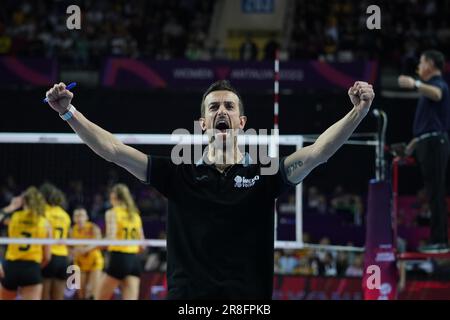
437 57
222 85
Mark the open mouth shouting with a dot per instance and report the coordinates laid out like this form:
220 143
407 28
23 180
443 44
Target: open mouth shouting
222 126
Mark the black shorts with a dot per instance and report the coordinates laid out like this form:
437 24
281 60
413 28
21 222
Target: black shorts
56 268
20 274
123 264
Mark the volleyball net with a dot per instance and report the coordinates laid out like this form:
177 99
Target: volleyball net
63 159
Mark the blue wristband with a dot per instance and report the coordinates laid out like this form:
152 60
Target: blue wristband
69 113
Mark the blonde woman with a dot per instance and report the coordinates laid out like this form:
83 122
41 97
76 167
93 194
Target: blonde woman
88 258
123 222
55 273
22 268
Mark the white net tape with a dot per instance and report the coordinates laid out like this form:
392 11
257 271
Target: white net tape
158 243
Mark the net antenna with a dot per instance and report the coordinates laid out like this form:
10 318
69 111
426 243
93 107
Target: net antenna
274 150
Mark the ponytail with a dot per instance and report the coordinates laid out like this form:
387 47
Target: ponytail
123 194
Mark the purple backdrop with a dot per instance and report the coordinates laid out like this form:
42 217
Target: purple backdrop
199 75
36 72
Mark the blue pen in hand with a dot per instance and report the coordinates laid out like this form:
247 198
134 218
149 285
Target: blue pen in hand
68 87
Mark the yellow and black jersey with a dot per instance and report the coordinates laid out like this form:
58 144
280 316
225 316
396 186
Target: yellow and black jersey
25 224
93 260
60 221
128 228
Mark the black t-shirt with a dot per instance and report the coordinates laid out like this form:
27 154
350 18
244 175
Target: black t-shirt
432 116
220 228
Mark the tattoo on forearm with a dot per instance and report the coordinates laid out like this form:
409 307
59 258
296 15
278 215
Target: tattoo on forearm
291 168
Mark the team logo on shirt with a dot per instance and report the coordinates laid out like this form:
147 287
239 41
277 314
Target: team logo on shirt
243 182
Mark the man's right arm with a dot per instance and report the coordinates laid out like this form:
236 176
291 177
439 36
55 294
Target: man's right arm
99 140
430 91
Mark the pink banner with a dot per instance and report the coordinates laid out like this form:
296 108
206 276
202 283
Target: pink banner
154 287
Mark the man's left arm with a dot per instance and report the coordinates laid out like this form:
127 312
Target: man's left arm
299 164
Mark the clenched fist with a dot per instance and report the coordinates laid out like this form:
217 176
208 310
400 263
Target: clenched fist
361 95
406 82
59 98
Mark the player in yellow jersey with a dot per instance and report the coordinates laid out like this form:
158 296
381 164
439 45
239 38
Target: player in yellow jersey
55 273
88 258
22 268
123 222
